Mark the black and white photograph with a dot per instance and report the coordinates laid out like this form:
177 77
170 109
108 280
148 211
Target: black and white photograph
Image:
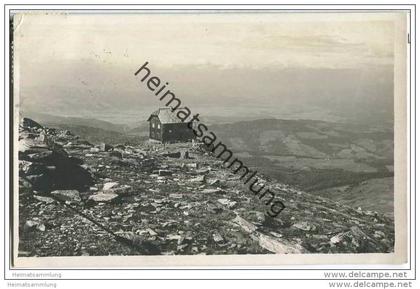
214 133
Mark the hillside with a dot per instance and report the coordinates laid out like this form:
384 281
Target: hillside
316 156
78 198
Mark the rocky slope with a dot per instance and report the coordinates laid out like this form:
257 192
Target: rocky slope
77 198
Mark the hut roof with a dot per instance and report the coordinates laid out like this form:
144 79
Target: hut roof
165 115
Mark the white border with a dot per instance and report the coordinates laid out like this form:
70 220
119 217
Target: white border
299 274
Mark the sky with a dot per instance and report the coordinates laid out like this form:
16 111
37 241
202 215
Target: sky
84 63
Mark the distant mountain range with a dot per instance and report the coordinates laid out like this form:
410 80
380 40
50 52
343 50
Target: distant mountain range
94 130
345 162
49 119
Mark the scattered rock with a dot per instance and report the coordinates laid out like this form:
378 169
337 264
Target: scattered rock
95 150
67 195
217 237
164 173
245 225
31 225
278 247
45 199
109 185
228 203
192 165
379 235
123 190
212 191
103 197
337 238
199 179
305 226
214 182
151 232
184 214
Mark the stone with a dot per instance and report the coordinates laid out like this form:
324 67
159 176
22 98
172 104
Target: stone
278 247
191 165
164 173
31 225
173 237
277 235
94 150
24 183
217 237
121 190
181 247
44 156
27 122
214 182
41 227
27 168
244 224
45 199
337 238
199 179
228 203
181 240
103 197
202 171
211 191
305 226
67 195
379 235
109 185
151 232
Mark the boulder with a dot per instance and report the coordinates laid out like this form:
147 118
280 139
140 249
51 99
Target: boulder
44 199
245 225
94 150
199 179
109 185
217 238
103 197
67 195
31 225
164 173
228 203
304 226
46 165
279 247
27 122
212 191
121 190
